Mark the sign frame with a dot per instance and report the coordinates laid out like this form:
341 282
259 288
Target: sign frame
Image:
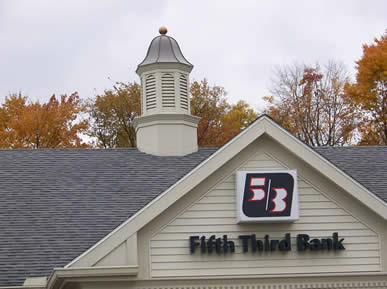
240 187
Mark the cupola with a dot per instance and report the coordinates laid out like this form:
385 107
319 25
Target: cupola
166 126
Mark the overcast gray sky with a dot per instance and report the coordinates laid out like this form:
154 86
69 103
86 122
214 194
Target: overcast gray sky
75 45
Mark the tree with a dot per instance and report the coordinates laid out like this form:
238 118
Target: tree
310 103
236 119
370 92
54 124
112 114
210 104
219 120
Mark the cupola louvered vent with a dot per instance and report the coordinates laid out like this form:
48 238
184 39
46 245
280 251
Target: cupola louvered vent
183 92
150 92
168 90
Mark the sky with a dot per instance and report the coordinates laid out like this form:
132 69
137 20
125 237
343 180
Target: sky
59 47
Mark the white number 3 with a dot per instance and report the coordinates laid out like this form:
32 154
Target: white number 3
279 203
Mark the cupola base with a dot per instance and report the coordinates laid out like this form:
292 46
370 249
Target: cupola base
167 134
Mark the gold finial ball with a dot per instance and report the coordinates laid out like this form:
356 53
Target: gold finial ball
163 30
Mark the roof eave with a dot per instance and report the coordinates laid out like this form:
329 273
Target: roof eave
60 276
164 65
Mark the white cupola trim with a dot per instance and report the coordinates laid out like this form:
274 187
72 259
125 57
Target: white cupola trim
166 126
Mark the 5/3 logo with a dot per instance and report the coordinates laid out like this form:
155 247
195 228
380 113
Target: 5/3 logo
267 196
260 194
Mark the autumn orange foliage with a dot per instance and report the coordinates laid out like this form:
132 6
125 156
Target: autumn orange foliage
370 92
112 114
33 125
219 120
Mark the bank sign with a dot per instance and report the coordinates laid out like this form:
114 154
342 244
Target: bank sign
250 243
267 196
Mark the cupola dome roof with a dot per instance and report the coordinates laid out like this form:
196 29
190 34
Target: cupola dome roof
164 49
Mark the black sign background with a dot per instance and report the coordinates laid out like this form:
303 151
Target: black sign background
258 208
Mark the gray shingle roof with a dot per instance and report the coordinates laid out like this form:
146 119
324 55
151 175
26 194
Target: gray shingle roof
366 164
56 203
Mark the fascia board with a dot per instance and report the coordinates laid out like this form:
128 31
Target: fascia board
60 275
97 271
340 178
168 197
22 287
154 67
323 280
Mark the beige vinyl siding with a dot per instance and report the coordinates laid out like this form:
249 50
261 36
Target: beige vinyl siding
215 213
